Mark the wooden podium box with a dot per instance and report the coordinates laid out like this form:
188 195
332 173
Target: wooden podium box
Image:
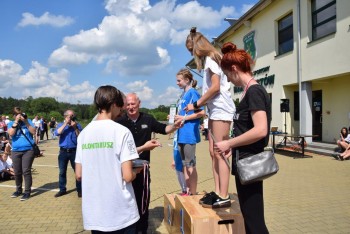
190 217
170 221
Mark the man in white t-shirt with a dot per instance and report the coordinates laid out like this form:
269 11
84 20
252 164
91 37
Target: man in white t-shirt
104 155
7 120
36 122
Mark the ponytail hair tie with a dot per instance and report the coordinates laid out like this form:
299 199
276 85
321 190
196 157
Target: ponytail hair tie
193 30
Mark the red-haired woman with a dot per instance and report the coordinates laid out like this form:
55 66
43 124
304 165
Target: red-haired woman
251 130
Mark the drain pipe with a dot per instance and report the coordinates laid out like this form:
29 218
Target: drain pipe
299 64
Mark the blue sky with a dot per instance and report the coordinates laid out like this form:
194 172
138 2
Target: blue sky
66 49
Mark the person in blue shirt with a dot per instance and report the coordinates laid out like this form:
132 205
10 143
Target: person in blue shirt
188 136
68 131
22 130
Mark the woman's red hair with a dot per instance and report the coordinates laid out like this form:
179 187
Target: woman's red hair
234 56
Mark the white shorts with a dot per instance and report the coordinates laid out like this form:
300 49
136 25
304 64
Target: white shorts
219 114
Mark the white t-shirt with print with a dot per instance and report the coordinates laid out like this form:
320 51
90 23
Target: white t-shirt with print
222 102
108 202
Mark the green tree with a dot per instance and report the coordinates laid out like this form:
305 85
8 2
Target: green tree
57 115
160 116
44 105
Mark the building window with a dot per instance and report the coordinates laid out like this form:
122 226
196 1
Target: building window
324 18
285 34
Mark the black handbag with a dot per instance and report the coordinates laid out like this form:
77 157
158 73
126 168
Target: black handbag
256 167
35 147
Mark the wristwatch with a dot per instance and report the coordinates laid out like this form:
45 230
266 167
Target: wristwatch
195 105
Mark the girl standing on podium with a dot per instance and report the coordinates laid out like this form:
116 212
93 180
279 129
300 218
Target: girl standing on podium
220 107
188 136
251 130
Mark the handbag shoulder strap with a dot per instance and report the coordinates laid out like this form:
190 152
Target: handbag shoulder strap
26 137
237 155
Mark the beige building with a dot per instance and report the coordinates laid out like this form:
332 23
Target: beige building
302 56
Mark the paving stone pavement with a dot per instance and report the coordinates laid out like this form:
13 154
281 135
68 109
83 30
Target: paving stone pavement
309 195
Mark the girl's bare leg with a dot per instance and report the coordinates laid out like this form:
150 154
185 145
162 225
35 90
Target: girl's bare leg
220 130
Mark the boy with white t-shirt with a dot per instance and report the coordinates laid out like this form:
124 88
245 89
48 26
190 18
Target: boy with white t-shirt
104 157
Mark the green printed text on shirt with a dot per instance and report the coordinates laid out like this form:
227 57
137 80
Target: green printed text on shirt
97 145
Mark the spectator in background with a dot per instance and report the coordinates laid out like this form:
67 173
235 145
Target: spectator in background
344 139
7 121
52 126
22 130
344 155
41 128
36 123
4 141
45 129
3 126
204 127
68 131
6 169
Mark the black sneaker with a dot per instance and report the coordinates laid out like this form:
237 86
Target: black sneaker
25 196
209 200
60 193
79 194
217 202
206 196
16 194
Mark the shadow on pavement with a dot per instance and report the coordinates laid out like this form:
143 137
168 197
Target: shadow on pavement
157 218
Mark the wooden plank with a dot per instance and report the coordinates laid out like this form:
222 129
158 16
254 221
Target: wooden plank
195 219
228 220
171 219
200 220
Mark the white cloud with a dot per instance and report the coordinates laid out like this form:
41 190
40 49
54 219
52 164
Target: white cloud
46 19
145 94
141 89
133 86
36 76
9 70
193 14
134 38
121 7
39 81
170 96
65 56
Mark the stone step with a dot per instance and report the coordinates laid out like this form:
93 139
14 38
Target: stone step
319 151
320 148
322 145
